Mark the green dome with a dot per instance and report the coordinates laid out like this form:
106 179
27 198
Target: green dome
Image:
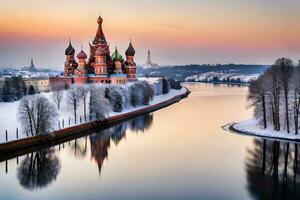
117 56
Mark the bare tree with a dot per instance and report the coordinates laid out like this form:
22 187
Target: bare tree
37 114
83 92
257 97
272 82
74 99
286 67
280 85
58 96
296 104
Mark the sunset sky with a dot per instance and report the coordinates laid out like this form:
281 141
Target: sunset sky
177 32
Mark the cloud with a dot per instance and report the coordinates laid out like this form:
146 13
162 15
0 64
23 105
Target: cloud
172 27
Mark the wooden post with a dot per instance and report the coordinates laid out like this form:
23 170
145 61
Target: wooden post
17 133
69 121
27 133
63 123
6 166
80 119
6 136
58 124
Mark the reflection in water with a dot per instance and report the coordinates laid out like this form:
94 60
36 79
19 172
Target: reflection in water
142 123
38 169
100 142
79 148
272 170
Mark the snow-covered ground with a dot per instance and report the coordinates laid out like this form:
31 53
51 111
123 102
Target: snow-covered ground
252 127
222 77
9 120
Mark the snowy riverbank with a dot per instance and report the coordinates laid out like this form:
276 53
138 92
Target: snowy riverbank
10 122
251 127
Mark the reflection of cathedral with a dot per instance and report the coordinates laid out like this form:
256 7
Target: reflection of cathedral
99 147
100 67
100 142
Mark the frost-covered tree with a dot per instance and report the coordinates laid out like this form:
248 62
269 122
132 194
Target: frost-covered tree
257 97
166 85
57 96
174 84
99 105
136 94
12 89
115 97
84 91
148 92
296 97
286 68
37 114
272 82
141 93
74 98
280 85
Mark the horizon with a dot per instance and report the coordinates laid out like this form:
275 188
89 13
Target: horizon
176 33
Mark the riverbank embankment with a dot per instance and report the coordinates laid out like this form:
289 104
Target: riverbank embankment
34 143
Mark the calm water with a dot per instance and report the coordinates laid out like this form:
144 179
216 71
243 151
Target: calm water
179 152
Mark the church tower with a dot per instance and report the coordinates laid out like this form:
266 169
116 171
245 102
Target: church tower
129 64
99 52
81 69
70 63
148 62
100 63
117 60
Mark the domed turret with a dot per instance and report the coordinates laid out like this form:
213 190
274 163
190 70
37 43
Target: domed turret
117 56
130 50
70 50
81 55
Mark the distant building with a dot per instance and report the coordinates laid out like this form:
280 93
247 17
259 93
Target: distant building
40 84
101 67
149 63
30 68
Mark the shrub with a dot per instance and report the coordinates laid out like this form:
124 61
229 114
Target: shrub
115 97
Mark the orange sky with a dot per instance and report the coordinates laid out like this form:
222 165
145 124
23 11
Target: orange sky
191 31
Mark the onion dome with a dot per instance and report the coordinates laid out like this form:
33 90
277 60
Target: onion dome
130 51
70 50
81 55
117 56
100 52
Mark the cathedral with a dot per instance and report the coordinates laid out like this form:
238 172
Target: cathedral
99 67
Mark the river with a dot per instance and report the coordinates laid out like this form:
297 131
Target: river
180 152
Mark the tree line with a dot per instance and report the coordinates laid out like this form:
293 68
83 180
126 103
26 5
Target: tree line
275 96
39 114
14 88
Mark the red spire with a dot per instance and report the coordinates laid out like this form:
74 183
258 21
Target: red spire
99 38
